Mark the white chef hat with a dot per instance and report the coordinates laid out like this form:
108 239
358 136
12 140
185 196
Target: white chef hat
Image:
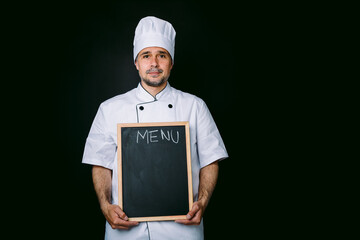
154 32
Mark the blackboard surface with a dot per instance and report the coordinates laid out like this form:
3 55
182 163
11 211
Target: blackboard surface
154 166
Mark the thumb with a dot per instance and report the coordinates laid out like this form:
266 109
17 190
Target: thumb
120 213
193 211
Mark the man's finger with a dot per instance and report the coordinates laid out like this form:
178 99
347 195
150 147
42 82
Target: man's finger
193 221
123 223
120 213
113 226
193 217
183 221
193 211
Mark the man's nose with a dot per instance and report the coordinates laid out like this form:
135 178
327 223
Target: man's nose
154 62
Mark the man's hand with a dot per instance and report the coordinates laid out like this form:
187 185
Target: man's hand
194 216
113 213
208 178
117 218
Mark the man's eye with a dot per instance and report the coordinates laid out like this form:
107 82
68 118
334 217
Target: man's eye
162 56
145 56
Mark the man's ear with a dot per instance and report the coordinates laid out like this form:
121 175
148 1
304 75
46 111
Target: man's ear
136 64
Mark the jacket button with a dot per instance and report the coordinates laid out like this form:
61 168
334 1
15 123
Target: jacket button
141 108
170 105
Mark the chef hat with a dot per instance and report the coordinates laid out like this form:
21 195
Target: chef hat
154 32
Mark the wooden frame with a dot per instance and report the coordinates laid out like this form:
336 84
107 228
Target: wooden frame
188 163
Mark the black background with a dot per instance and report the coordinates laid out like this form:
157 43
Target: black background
68 57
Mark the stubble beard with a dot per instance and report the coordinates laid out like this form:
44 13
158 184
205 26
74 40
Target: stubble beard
154 83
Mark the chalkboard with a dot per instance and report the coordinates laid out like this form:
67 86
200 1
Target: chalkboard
154 170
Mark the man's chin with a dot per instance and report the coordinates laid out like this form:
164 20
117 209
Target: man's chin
154 83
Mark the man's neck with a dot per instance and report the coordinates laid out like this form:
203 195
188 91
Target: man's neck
153 90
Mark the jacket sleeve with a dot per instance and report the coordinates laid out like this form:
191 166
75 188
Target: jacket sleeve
100 147
209 142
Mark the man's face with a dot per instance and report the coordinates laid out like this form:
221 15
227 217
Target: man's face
154 65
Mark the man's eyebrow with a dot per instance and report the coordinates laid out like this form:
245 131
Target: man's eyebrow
144 53
159 52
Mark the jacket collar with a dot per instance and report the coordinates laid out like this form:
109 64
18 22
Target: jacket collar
147 97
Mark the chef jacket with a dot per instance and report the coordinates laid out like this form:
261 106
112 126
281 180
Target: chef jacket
140 106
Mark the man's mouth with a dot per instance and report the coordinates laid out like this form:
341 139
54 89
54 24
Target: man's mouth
154 71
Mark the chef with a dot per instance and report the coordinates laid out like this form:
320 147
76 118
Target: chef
153 100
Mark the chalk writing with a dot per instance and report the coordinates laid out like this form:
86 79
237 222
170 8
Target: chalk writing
155 135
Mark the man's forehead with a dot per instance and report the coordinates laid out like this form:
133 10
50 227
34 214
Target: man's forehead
153 50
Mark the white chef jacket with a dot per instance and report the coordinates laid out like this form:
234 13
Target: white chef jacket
169 105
